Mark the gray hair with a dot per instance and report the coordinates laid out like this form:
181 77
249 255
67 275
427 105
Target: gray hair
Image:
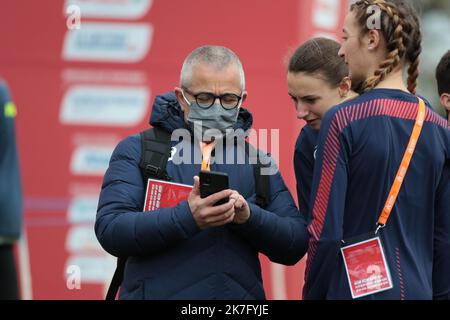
217 57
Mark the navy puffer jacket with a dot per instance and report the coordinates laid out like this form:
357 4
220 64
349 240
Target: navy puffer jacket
169 256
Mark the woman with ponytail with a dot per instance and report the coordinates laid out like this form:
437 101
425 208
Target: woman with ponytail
317 80
381 183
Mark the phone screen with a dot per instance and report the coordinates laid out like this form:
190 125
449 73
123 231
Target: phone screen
212 182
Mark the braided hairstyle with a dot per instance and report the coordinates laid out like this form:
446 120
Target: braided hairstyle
400 26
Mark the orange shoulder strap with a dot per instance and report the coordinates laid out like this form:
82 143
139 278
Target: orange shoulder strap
395 189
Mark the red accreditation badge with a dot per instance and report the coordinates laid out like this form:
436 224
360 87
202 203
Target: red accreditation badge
366 267
164 194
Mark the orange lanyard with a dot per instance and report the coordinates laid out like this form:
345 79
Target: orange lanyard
395 189
207 148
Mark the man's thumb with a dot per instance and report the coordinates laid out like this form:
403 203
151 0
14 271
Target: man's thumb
196 188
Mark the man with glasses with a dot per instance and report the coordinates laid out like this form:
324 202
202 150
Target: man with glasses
196 250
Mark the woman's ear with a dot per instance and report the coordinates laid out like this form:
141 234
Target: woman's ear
373 39
345 86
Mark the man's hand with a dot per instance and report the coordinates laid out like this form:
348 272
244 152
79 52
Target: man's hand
241 208
203 210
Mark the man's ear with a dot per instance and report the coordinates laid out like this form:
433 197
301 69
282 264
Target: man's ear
181 100
445 101
345 86
244 96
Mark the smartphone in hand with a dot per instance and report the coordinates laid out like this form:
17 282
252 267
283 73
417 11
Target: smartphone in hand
212 182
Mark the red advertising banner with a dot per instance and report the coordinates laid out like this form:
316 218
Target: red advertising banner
84 74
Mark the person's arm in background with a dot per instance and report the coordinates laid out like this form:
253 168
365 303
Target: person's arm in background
278 231
328 195
10 181
304 153
441 255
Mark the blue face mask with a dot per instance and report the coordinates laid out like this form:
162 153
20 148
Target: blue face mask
214 117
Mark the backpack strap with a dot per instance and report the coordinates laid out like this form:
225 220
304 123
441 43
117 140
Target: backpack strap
156 148
117 279
262 183
155 144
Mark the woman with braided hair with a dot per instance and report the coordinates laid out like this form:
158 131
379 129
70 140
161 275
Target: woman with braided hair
380 198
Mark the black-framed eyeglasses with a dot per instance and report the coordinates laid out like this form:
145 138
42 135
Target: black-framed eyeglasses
206 99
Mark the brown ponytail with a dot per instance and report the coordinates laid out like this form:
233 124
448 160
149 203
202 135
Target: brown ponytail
401 30
319 56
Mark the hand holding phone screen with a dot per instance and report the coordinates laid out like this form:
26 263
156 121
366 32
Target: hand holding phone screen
212 182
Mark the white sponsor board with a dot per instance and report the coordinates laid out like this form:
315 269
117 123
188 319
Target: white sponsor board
326 14
81 238
108 42
82 209
90 160
104 105
113 9
93 268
